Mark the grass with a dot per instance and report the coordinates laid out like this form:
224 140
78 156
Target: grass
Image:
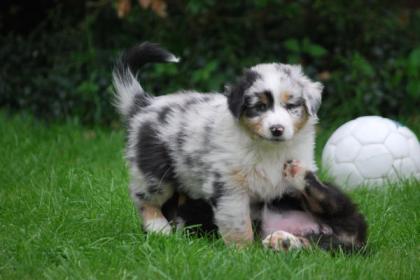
65 213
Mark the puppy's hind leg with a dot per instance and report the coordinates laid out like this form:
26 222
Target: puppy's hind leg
335 208
331 206
149 199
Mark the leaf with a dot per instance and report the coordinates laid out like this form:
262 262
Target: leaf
413 88
317 51
157 6
144 3
87 87
292 45
413 64
362 66
324 75
123 7
313 49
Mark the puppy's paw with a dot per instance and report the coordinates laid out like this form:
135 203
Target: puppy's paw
294 173
284 241
158 225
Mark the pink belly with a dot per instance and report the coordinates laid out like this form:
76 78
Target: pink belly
299 223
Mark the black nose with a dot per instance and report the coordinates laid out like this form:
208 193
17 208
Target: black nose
277 130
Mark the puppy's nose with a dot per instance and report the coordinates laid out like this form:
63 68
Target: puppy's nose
277 130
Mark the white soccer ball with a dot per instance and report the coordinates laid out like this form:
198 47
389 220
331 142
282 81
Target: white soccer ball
371 151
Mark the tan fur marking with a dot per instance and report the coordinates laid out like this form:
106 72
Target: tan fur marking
347 238
150 212
300 123
240 239
182 199
318 195
239 178
263 98
305 242
285 96
313 204
254 126
259 174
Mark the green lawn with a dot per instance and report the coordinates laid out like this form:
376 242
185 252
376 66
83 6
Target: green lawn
65 213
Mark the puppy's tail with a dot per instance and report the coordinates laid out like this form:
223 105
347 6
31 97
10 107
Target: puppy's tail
130 96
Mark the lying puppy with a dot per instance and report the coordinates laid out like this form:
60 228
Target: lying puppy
317 213
312 213
227 149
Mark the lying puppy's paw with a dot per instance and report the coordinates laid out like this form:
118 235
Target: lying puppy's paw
284 241
158 225
294 173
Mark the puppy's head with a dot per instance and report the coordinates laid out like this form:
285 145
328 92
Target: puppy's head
274 101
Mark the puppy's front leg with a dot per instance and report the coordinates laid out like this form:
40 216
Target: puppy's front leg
232 216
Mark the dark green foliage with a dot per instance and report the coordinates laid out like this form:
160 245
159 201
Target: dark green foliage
367 53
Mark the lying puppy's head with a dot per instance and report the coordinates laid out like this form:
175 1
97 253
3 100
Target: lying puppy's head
274 101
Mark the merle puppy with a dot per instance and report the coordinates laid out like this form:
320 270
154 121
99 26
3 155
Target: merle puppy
227 149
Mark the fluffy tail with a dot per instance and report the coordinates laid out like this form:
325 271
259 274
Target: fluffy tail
130 96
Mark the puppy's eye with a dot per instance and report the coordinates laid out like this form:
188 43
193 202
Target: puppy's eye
261 106
293 106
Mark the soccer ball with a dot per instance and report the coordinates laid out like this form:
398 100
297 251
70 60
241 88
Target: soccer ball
371 151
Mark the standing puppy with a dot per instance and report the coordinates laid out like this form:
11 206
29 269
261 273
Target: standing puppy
227 149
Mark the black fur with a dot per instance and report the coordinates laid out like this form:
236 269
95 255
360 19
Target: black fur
330 200
198 215
153 157
189 103
170 209
218 187
295 103
154 188
133 59
286 202
196 100
189 161
147 52
328 242
236 96
140 101
164 113
141 195
181 137
254 110
335 209
270 99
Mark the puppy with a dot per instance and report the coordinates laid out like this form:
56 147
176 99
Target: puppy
227 149
312 213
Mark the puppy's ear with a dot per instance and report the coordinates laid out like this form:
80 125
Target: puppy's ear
236 92
311 91
312 96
